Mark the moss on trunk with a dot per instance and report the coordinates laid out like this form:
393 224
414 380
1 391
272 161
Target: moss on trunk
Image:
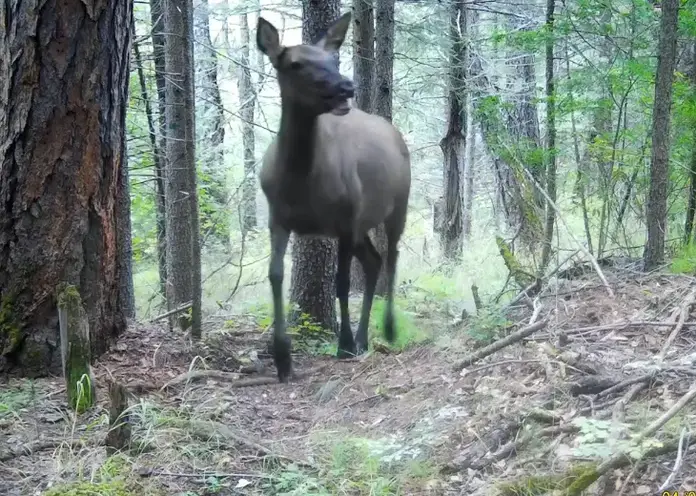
75 349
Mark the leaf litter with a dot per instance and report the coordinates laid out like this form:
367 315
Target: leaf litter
581 390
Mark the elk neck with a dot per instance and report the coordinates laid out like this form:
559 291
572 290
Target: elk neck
297 138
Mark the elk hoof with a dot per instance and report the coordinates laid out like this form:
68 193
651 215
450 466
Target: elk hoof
282 358
361 348
344 353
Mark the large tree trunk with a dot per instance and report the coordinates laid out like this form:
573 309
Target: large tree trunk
211 122
659 166
160 146
183 237
453 144
313 280
363 76
382 95
550 139
247 104
64 79
470 162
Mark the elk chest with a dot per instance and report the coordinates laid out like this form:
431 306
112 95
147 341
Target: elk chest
307 207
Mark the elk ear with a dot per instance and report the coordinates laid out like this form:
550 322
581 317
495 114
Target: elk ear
335 34
267 39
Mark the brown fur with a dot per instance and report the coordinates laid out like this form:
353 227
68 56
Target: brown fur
331 173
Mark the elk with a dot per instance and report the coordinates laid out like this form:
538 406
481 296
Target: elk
331 171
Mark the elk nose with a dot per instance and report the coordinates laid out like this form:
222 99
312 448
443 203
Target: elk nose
346 88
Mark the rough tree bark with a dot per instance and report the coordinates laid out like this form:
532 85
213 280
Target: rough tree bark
523 118
247 104
363 76
382 95
183 236
160 143
210 119
313 279
453 144
656 207
64 83
470 162
550 139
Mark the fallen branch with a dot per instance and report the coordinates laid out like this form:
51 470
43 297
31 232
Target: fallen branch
624 384
683 315
231 378
150 472
207 430
163 316
32 447
500 344
581 247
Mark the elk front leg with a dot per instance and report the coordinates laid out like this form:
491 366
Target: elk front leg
371 262
276 270
346 345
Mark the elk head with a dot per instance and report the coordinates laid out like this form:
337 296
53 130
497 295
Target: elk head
308 75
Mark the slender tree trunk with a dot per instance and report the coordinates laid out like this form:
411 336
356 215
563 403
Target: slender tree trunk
159 172
691 207
659 166
211 122
62 151
382 95
183 243
453 144
550 138
313 280
469 172
363 76
160 137
247 104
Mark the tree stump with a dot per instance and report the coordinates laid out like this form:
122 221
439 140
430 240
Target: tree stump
75 349
119 436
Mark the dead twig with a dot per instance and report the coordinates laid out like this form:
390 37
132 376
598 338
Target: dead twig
500 344
580 482
677 462
39 445
625 383
163 316
683 315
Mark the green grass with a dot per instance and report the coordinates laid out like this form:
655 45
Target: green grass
352 465
408 331
684 261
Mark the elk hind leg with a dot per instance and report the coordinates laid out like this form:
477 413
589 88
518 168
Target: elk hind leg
394 227
281 341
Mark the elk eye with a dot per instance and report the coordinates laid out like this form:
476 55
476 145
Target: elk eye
295 65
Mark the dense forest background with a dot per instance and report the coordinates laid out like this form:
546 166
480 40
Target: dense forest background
551 220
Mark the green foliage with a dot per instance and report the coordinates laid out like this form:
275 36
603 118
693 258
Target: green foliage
684 262
351 466
115 477
488 324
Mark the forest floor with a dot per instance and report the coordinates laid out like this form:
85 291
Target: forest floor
599 379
